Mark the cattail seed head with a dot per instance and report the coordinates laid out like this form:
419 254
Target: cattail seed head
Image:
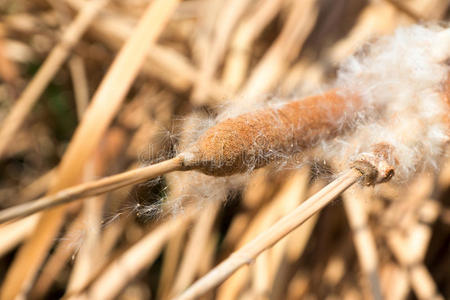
255 139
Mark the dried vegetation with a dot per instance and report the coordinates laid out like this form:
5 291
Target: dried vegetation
93 88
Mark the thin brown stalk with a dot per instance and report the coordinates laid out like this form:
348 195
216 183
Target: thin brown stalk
90 189
46 72
267 239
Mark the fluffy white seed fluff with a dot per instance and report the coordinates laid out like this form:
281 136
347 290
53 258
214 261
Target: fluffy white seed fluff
400 79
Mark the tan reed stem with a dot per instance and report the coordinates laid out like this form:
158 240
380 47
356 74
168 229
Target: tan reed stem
91 189
363 240
267 239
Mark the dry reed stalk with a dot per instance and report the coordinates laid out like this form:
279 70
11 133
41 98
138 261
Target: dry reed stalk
261 221
335 267
406 10
297 286
268 263
260 274
38 186
239 225
394 281
299 24
123 269
252 225
203 35
378 18
80 84
88 257
8 70
110 236
172 254
193 253
423 283
296 244
104 105
425 10
209 254
259 189
295 80
246 254
48 70
14 233
90 189
363 239
238 60
226 21
299 238
61 255
410 251
87 260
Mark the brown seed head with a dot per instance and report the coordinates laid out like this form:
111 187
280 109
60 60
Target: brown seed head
253 140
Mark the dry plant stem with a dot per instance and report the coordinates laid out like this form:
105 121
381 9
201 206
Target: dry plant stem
90 189
80 84
13 234
49 68
57 260
171 257
237 62
410 250
267 265
300 22
405 9
265 240
193 254
363 240
227 20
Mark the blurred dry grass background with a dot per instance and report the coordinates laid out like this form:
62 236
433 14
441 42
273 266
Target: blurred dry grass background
63 70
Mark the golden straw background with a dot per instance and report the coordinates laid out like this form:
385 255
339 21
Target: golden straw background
93 88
